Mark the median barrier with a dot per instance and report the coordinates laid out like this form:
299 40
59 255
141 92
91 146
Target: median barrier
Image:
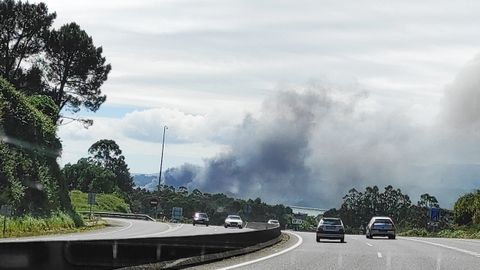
163 252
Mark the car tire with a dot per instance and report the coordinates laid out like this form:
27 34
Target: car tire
318 239
342 240
391 237
194 224
206 224
240 227
226 226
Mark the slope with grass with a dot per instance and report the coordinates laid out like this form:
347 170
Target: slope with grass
104 202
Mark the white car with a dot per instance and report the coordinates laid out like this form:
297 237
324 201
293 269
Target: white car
273 222
233 221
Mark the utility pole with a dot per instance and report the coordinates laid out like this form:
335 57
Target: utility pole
161 161
160 172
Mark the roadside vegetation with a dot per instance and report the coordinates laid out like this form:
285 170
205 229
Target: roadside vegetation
412 219
104 202
56 223
45 73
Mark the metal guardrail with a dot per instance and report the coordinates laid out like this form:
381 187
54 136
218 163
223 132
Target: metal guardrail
117 253
118 215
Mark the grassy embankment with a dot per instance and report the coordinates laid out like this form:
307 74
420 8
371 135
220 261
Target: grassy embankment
104 202
60 222
472 232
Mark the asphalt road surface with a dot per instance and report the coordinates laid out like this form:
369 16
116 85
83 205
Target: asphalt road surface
130 228
361 253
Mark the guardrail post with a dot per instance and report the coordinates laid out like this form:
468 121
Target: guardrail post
159 252
114 250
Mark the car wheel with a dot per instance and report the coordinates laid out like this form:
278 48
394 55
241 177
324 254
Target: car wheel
342 240
194 224
240 227
206 224
226 226
391 237
318 239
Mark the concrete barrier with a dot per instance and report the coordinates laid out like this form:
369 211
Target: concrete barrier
110 254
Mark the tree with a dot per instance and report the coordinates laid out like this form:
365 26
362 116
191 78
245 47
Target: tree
23 27
75 69
467 209
427 201
107 153
63 64
89 177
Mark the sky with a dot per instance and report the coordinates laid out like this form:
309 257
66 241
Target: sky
263 96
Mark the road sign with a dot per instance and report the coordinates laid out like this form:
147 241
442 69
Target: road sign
297 221
153 202
91 198
177 213
6 210
434 214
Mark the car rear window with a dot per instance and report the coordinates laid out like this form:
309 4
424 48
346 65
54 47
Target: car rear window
386 221
331 222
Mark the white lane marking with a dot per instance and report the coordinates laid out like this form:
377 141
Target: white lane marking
389 260
439 261
169 230
130 224
379 254
300 241
476 254
368 244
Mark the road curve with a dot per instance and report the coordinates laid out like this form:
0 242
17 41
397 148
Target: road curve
383 254
129 228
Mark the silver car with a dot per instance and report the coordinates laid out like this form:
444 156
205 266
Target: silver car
331 228
380 226
233 221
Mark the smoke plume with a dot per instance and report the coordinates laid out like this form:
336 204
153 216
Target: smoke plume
309 146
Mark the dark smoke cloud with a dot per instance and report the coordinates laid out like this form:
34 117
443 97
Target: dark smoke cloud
310 146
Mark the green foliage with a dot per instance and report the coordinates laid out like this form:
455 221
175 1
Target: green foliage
87 176
29 173
75 68
359 207
46 105
31 225
309 224
217 206
467 209
107 153
104 202
60 63
22 32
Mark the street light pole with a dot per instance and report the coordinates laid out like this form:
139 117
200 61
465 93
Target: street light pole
161 160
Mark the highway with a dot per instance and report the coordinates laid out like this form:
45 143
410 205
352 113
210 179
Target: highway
130 228
303 252
361 253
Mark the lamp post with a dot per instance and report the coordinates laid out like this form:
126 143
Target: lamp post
161 161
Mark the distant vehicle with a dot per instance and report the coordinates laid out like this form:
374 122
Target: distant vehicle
233 221
380 226
273 221
331 228
200 218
